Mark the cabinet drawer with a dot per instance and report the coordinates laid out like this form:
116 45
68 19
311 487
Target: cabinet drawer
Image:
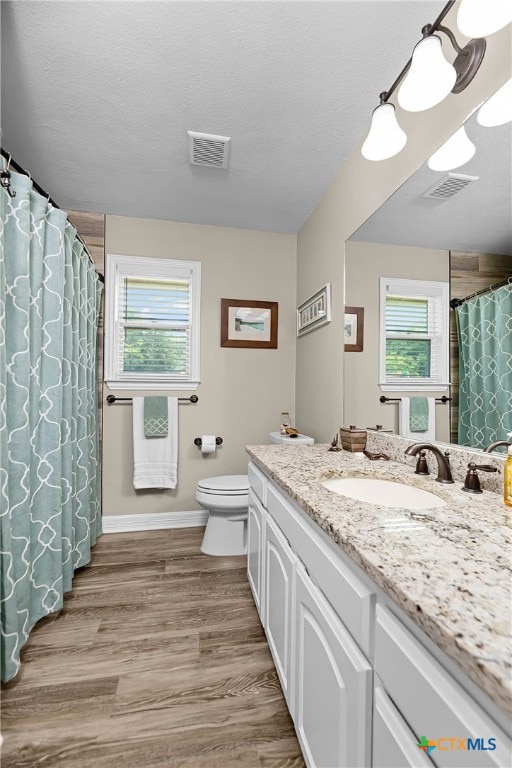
394 744
347 594
258 483
433 703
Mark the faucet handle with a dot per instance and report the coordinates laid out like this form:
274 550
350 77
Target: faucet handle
421 464
472 481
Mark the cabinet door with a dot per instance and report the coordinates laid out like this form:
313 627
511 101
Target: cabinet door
394 744
333 684
280 563
255 552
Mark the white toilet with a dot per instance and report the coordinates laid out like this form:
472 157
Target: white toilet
226 499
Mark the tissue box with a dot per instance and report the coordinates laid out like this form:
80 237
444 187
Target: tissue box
353 438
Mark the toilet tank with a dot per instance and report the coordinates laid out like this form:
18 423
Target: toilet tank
277 437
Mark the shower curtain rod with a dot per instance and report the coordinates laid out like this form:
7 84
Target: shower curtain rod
17 167
457 302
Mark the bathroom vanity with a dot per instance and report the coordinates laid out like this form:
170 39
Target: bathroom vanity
385 625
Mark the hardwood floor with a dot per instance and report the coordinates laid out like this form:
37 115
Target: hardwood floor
157 658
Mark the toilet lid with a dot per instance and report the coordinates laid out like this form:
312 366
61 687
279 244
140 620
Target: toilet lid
225 483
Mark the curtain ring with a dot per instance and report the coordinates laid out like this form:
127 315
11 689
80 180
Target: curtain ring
5 179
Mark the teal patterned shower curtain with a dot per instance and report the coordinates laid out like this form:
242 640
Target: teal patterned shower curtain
484 328
50 512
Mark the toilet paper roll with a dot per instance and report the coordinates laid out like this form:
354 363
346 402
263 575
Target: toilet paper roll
208 444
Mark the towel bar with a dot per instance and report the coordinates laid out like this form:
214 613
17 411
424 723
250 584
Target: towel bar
113 399
383 399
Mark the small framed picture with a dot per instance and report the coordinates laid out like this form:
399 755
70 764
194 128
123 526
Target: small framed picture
248 323
354 329
315 311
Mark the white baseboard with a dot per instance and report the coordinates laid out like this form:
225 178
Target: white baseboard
126 523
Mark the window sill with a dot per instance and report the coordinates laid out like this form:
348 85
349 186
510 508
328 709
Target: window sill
153 386
413 387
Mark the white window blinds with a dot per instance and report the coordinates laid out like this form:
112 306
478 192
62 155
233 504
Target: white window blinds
155 323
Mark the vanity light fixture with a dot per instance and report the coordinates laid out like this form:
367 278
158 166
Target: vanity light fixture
426 80
480 18
498 109
454 152
385 138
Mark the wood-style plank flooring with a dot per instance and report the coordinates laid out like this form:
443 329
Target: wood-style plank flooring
157 658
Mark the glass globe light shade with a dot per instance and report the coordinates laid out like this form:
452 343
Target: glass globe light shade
498 109
430 78
385 137
480 18
454 153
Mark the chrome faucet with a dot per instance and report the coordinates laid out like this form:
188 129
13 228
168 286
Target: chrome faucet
444 473
497 444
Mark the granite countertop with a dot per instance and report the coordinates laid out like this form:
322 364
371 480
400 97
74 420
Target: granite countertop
448 568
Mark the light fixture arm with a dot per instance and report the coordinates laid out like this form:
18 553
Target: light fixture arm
449 34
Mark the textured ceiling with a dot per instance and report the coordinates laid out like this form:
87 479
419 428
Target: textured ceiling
97 98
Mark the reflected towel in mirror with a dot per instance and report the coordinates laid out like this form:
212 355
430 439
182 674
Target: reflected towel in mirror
404 419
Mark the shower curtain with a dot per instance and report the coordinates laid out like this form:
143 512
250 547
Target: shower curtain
484 328
50 511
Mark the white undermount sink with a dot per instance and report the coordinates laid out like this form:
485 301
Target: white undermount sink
385 493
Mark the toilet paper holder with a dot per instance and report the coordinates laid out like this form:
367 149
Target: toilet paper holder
198 441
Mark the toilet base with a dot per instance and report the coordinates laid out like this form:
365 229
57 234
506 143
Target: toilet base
225 534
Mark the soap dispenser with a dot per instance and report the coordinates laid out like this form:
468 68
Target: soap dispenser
507 476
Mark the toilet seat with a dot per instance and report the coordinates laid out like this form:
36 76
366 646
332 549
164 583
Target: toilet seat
225 485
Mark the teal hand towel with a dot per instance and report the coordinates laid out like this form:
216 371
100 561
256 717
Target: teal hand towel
155 417
418 414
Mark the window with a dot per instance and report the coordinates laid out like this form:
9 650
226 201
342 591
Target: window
152 323
414 337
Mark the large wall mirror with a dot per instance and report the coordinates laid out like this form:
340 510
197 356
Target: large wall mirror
461 233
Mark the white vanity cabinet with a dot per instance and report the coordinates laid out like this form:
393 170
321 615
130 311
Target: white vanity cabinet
333 683
362 682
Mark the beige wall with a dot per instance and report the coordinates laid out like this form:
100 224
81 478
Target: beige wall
365 263
355 193
242 391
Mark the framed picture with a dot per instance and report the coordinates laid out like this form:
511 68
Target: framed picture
248 323
315 311
354 329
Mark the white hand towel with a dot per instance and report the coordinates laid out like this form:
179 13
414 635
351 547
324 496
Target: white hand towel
155 461
404 408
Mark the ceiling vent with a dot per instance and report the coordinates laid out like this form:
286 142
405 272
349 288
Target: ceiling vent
449 186
208 150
